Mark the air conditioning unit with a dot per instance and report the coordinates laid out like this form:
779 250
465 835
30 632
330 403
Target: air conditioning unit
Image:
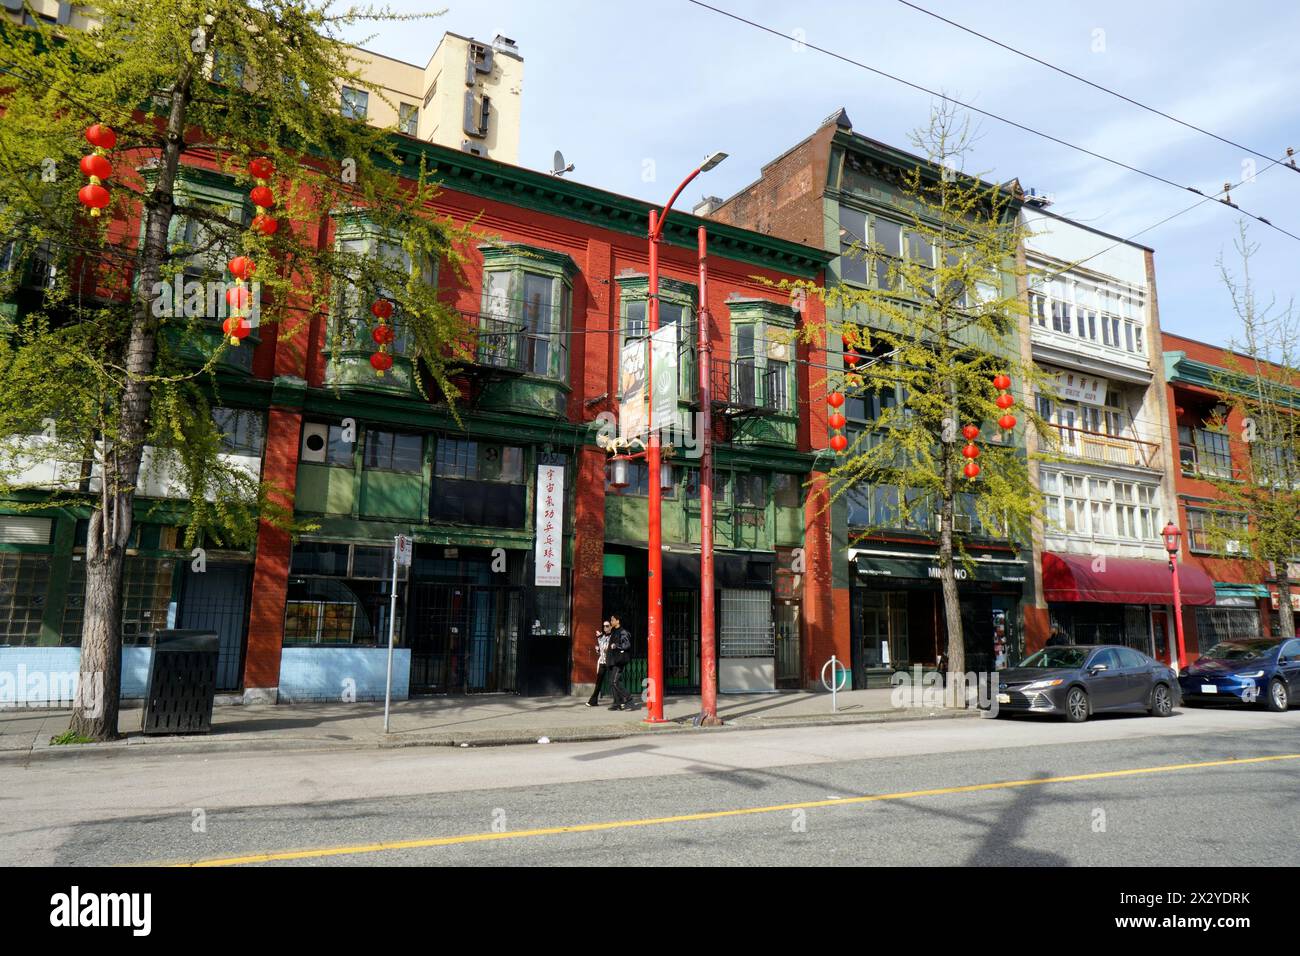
315 441
1232 547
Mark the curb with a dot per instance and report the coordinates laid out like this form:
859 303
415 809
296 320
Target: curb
138 745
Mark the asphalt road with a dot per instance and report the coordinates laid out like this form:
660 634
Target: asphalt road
1114 791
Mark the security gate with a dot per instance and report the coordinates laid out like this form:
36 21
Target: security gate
747 644
217 600
464 638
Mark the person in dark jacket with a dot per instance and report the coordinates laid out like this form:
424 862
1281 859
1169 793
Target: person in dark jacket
1058 638
620 652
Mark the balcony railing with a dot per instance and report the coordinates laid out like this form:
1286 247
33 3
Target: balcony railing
1107 449
740 387
496 345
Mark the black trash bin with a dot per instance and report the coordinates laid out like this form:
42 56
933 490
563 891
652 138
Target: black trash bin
182 682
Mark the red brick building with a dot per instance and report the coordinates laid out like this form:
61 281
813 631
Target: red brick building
557 289
1243 606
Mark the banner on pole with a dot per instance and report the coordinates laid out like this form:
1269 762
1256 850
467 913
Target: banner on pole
663 349
548 553
633 392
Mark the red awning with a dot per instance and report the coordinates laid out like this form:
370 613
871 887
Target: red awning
1071 577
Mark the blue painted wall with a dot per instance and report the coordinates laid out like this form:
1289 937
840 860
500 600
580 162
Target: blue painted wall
327 673
48 675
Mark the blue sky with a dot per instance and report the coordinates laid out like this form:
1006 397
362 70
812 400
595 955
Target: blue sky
614 84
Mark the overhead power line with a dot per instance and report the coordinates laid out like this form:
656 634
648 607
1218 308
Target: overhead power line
982 112
1081 79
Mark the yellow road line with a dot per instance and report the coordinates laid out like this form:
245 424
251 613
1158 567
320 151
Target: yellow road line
718 814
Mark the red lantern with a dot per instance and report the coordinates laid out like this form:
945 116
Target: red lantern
261 168
971 451
266 225
382 334
1005 401
94 196
236 327
237 297
839 442
96 166
971 469
381 362
1002 382
241 267
101 136
1007 422
382 309
835 399
262 197
836 420
970 432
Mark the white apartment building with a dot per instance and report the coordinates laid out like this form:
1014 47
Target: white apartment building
1094 329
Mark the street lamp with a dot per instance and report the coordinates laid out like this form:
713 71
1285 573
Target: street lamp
655 583
1171 534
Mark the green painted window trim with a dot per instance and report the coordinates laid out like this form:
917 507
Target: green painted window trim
519 260
635 287
200 185
763 315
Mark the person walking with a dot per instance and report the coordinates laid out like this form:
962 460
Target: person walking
602 661
620 652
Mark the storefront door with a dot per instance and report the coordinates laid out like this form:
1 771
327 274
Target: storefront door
464 638
1160 633
216 600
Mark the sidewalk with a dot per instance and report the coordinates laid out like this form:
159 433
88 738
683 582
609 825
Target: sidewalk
449 721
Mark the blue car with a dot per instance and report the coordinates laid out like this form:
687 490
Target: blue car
1254 671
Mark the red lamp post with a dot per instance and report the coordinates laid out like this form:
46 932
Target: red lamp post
1171 534
655 596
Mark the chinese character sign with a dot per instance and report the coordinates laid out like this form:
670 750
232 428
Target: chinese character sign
549 519
1076 387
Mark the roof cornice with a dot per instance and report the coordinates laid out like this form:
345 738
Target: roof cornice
491 179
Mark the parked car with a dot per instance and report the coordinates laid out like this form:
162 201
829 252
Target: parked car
1076 682
1259 670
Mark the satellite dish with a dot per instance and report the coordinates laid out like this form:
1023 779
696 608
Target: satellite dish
558 167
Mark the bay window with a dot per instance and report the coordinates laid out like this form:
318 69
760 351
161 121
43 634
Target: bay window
527 310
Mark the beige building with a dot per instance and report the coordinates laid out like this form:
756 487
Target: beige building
466 97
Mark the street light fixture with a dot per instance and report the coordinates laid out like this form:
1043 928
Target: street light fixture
712 160
654 546
1172 536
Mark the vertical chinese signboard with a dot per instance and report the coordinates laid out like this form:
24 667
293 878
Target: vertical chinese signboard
547 558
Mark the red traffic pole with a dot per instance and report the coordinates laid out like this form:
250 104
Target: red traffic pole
1178 614
655 588
655 584
708 646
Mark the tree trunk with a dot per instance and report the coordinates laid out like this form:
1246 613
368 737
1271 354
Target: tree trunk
948 580
99 682
1285 616
110 526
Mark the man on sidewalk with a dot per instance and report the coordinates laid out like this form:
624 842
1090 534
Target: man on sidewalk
620 652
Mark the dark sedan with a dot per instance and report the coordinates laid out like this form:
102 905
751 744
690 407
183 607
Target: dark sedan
1263 670
1077 682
